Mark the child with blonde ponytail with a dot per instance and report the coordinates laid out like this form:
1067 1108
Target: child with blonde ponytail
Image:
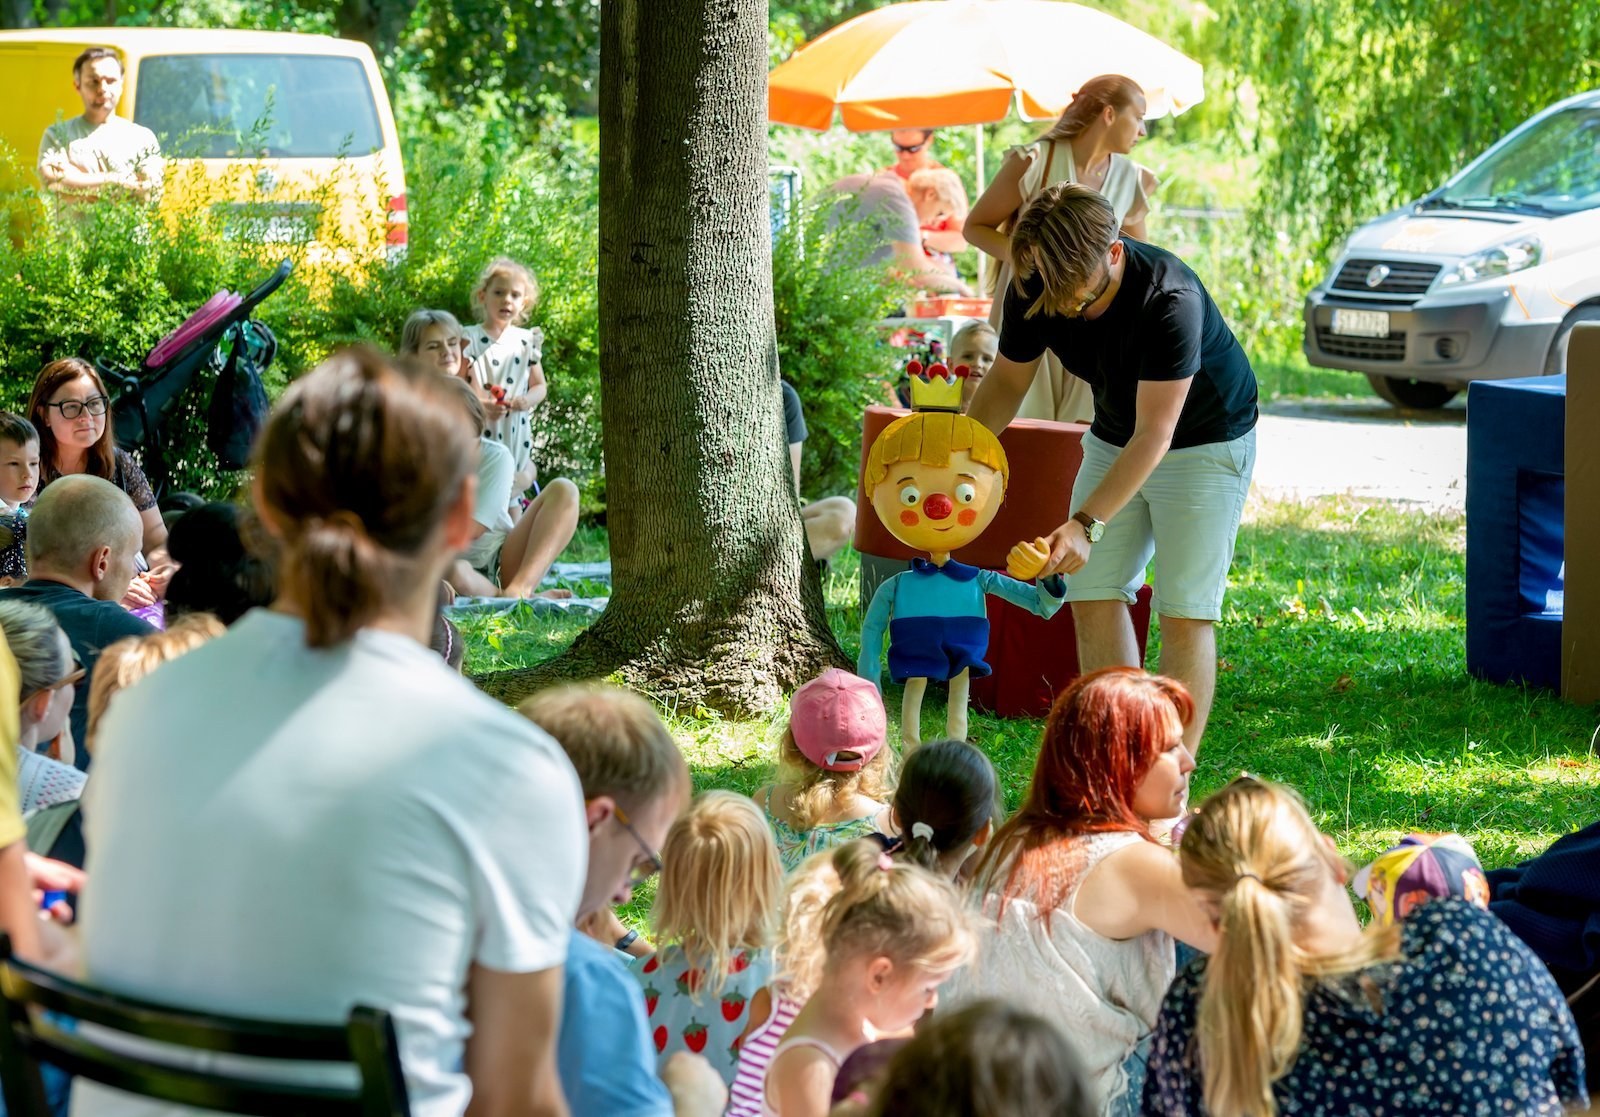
893 933
1302 1011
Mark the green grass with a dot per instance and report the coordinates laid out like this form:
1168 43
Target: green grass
1294 378
1343 674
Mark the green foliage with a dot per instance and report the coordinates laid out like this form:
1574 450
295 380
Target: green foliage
827 301
1363 106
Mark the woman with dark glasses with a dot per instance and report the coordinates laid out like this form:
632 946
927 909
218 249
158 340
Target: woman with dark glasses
71 409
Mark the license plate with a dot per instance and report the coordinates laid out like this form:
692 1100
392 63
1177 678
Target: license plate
1361 323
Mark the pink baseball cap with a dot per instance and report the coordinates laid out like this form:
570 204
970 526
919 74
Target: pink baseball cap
838 722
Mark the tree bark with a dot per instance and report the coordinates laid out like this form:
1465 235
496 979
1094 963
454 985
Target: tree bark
716 600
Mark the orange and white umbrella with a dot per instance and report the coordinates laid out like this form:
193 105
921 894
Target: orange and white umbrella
941 63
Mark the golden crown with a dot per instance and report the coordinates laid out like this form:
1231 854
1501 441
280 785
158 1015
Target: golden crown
936 388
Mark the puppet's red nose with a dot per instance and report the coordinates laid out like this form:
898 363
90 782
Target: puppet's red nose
937 507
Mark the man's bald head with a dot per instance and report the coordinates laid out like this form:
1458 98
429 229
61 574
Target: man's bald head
75 519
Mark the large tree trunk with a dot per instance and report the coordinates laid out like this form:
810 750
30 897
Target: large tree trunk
716 601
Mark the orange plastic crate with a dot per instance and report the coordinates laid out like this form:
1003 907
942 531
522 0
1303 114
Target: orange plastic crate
951 306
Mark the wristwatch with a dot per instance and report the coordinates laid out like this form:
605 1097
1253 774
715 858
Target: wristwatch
1092 527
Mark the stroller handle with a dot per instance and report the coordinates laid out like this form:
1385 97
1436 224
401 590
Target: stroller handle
267 286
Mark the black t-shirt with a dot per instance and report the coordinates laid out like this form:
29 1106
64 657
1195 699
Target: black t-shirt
794 416
1162 325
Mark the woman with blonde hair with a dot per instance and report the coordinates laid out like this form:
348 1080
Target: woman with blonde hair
1089 144
720 887
1302 1011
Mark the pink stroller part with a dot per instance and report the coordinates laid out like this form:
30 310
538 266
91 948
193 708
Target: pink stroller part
217 307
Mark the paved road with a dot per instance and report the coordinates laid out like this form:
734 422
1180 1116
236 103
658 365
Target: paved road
1365 448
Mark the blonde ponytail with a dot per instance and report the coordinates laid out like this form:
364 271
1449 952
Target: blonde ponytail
1253 848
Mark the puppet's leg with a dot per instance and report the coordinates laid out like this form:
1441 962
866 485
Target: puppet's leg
911 714
956 714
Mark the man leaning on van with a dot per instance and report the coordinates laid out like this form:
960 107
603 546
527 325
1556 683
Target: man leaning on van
99 154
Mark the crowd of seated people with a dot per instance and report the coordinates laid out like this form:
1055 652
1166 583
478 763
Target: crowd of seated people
260 704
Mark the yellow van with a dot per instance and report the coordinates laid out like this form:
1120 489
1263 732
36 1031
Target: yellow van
289 138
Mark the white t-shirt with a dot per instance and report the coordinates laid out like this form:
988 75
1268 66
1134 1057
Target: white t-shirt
496 472
117 145
286 833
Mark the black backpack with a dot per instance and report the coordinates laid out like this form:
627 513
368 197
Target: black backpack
239 399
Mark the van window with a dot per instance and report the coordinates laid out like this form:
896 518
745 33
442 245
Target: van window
1553 167
296 106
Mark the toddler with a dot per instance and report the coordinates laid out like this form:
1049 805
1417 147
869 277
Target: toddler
19 484
506 359
893 934
975 345
944 806
834 768
720 883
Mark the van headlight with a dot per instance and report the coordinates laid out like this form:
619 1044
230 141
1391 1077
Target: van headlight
1503 259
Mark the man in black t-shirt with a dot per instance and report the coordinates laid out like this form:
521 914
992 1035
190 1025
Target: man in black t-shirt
1167 462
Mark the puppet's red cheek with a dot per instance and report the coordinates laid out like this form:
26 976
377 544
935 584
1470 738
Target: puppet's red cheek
967 517
910 518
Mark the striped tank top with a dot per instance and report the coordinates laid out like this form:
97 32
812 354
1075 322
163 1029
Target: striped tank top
745 1095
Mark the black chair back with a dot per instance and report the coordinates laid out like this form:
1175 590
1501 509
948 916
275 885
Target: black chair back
32 1001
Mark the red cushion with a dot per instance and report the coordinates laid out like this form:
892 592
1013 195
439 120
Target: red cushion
1044 459
1034 659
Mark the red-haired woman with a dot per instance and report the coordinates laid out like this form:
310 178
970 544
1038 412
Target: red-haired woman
1083 904
72 411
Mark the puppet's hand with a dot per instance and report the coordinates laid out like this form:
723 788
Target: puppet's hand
1026 559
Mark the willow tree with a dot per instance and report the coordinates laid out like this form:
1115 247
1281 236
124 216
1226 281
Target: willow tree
715 599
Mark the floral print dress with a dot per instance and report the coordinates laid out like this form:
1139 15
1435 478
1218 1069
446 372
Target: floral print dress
1467 1021
687 1015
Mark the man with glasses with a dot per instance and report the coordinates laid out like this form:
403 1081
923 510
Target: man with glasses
635 783
83 542
1167 463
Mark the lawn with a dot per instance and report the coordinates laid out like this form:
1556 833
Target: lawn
1343 674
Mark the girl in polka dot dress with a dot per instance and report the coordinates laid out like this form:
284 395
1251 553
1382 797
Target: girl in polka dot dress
505 356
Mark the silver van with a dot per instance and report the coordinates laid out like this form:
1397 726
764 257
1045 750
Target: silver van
1481 279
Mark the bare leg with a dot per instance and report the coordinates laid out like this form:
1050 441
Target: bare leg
539 538
829 524
468 582
1189 654
955 716
911 714
1105 635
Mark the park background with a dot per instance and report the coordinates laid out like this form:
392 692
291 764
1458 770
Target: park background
1342 646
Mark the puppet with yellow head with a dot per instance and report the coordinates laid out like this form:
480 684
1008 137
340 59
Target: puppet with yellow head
936 479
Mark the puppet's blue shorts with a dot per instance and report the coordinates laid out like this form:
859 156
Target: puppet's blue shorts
937 647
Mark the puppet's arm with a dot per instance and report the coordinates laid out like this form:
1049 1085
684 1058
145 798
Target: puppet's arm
1042 599
874 627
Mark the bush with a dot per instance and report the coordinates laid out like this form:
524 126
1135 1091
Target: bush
827 302
108 282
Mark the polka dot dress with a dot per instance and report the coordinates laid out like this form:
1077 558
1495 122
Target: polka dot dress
506 362
1470 1023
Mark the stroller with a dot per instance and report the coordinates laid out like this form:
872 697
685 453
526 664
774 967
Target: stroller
220 334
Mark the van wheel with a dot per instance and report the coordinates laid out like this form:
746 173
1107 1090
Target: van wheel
1416 395
1556 363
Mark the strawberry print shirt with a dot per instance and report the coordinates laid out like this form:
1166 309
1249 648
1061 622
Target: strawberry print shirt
689 1013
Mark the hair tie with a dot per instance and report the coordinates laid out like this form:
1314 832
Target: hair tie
885 862
922 830
1252 876
340 518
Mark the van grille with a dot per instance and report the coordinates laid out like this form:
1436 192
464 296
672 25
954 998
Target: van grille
1404 277
1391 348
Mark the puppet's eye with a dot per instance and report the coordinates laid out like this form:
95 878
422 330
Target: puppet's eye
909 496
965 493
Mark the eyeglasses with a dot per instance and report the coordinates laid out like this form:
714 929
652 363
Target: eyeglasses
640 873
72 408
77 675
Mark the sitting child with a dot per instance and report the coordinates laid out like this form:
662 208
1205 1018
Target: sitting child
944 806
975 345
1421 867
720 882
506 559
834 765
893 934
19 483
218 573
797 958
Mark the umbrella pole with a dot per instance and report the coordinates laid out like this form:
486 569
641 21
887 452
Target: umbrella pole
978 148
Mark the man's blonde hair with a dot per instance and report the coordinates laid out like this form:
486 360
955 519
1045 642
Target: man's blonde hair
1062 237
930 437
